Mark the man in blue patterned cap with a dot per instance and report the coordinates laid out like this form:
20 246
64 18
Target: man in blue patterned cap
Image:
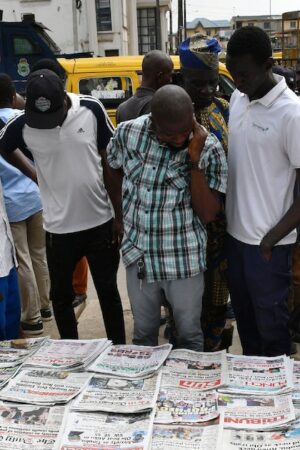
200 71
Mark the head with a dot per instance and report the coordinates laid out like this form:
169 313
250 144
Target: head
249 60
50 64
157 68
46 100
7 92
172 116
200 68
288 73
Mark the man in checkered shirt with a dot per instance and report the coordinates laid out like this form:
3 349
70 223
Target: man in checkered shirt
170 190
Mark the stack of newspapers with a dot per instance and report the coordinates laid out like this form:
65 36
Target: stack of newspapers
92 395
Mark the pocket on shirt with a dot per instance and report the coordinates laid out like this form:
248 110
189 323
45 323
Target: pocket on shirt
177 175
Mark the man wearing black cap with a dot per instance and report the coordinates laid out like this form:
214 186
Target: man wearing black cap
64 134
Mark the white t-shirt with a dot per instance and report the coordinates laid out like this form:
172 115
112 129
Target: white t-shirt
68 164
264 151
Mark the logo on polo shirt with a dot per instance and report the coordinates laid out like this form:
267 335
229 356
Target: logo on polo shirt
42 104
81 130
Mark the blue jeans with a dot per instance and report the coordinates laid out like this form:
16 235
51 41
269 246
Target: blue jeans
185 298
10 309
259 292
63 253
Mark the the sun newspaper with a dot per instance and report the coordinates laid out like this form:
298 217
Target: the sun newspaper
198 370
119 395
29 427
44 387
131 361
107 431
178 405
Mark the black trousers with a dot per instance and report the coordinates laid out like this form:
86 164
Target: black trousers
63 253
259 293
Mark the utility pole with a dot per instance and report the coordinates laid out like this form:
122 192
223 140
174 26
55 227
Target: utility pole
180 21
171 32
158 27
184 19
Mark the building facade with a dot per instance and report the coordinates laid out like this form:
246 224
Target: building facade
104 27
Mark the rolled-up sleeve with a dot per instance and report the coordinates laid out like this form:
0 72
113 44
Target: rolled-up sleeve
214 162
114 150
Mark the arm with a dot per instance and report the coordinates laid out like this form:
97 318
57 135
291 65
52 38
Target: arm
113 184
286 224
205 201
18 160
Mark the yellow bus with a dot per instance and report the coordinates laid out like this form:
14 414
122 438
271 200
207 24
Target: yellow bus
115 79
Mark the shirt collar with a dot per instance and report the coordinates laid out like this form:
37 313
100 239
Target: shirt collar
268 99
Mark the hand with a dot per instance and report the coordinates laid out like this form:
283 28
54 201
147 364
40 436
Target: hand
197 143
266 249
117 231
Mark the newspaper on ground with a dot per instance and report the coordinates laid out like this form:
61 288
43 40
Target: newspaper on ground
177 405
256 412
284 439
199 370
296 379
184 437
28 427
6 373
107 431
15 352
44 387
67 354
259 375
131 361
119 395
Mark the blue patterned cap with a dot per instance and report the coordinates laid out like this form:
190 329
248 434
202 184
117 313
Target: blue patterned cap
198 52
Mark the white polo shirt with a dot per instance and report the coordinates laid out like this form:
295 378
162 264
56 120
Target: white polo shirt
264 151
68 164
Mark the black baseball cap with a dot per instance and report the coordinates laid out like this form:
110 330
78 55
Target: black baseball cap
45 95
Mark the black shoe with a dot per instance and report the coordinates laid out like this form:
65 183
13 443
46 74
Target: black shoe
79 298
32 328
46 314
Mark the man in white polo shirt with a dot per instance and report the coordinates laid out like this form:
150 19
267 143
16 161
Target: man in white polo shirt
65 134
263 158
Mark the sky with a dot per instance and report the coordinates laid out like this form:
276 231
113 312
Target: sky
225 9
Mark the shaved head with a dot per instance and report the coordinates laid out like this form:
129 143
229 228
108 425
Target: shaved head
171 103
172 116
157 68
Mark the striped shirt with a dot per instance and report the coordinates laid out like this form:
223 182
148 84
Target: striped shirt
159 222
68 164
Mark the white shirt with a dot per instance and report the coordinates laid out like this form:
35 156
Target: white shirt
68 165
7 250
264 151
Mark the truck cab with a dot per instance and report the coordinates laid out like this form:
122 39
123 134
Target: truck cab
22 44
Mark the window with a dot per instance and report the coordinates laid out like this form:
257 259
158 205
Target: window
111 91
267 25
103 15
146 30
24 46
293 24
112 52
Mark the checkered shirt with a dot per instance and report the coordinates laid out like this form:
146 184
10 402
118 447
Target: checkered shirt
159 222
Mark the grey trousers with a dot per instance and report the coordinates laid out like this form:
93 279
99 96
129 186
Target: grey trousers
185 297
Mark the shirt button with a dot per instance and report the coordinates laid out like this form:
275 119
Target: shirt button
153 168
146 231
146 212
148 190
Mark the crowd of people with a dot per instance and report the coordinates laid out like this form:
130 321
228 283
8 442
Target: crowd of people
200 196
